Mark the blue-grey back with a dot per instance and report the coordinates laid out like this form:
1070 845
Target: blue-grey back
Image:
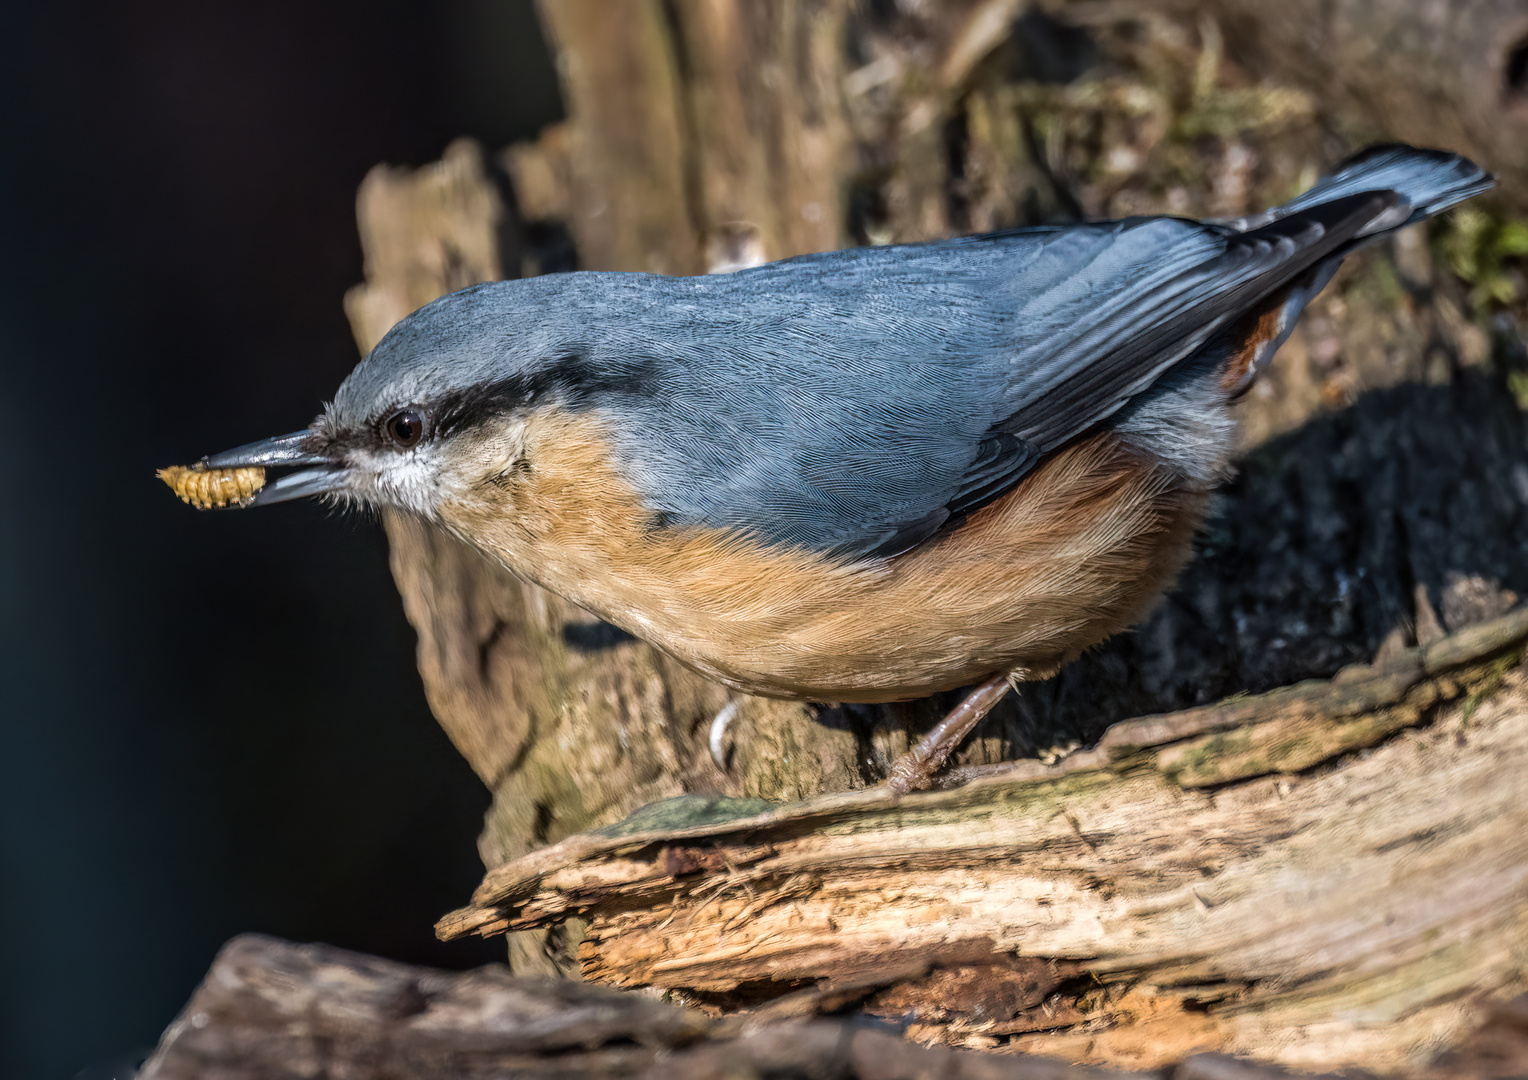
845 401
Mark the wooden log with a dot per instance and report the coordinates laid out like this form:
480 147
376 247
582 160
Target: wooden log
272 1010
1292 875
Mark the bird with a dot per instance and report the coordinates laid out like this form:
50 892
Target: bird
863 475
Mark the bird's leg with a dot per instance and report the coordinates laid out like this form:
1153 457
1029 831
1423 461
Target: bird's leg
916 768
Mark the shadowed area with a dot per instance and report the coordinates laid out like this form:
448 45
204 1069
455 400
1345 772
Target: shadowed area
1312 557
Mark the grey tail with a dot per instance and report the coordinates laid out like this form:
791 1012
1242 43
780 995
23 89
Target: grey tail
1430 181
1405 185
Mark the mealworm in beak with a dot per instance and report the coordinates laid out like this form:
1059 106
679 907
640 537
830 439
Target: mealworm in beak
207 489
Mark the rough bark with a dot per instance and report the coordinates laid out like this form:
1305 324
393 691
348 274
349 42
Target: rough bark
1383 499
1452 74
271 1010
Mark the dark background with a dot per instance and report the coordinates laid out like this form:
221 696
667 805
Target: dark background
212 722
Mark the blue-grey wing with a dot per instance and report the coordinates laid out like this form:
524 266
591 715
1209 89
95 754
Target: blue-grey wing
856 401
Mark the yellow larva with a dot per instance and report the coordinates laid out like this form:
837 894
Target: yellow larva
209 488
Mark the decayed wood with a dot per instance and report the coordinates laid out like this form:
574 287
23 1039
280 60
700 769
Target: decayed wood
1282 875
269 1010
424 232
690 116
272 1010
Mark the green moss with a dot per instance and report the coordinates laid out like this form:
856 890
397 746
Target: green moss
1278 747
1489 250
685 812
1387 283
1206 759
1230 112
1029 801
1494 677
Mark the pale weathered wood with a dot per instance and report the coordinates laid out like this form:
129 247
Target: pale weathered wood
621 80
272 1010
1283 876
424 232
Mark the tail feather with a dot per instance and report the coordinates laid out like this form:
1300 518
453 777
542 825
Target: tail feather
1417 184
1428 181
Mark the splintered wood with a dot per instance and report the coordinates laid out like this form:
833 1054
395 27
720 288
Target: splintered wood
271 1008
1289 875
213 489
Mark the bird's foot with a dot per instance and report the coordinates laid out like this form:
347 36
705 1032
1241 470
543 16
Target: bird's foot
718 737
915 769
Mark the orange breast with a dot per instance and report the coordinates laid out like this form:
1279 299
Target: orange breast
1077 551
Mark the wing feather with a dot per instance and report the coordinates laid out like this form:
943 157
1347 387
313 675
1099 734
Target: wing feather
857 402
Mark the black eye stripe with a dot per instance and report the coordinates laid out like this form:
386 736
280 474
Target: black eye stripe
571 380
463 409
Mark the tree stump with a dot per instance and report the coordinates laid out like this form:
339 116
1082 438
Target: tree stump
1382 505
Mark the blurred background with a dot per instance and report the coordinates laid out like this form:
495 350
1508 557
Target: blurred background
212 723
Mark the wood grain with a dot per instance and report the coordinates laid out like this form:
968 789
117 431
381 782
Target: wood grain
273 1010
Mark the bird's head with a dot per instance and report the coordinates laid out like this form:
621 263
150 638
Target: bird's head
439 408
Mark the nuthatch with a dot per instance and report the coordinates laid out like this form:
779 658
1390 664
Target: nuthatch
864 475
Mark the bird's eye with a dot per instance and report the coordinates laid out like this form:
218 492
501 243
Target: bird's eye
405 427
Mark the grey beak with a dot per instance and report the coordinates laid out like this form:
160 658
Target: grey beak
294 449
